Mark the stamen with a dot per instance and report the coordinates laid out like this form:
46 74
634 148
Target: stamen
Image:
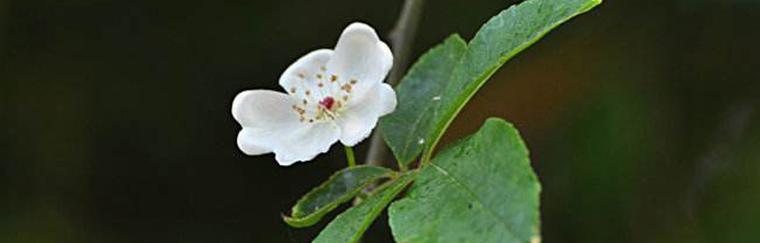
346 88
323 103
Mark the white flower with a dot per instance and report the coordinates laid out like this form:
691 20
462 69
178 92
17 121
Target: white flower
331 95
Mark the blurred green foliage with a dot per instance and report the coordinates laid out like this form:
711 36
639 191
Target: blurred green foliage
642 117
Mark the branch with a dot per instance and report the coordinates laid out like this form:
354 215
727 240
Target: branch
401 37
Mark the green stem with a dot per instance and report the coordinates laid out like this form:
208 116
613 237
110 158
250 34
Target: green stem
350 156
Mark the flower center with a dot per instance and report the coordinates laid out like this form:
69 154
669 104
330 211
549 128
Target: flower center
327 102
322 94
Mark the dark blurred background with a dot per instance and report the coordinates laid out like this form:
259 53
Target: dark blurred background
642 117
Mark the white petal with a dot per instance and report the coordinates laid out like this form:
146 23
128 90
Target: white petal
270 125
360 117
305 144
303 74
360 55
387 99
262 107
248 145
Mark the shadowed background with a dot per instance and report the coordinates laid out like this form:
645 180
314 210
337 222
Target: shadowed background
642 117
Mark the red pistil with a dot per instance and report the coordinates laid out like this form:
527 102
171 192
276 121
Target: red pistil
327 102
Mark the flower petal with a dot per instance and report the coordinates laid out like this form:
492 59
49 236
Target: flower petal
360 117
248 145
270 125
304 74
387 99
361 56
305 144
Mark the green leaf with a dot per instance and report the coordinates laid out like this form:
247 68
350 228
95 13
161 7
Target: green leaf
409 127
351 224
442 81
341 187
480 190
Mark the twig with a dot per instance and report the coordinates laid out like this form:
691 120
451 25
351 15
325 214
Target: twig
401 37
718 155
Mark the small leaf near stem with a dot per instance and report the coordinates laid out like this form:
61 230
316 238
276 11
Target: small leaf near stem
350 156
338 189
